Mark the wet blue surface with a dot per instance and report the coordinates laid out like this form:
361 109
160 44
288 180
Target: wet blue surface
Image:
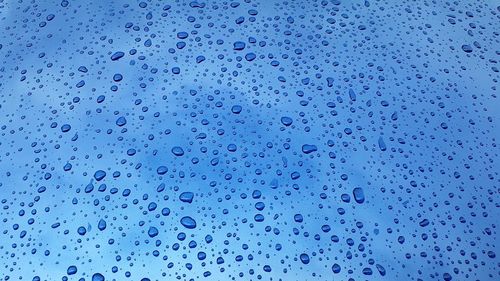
249 140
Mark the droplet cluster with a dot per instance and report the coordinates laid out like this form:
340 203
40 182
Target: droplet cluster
249 140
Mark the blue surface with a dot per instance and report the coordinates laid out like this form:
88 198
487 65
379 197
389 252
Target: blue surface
249 140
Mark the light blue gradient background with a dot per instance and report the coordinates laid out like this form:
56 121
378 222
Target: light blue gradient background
28 105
